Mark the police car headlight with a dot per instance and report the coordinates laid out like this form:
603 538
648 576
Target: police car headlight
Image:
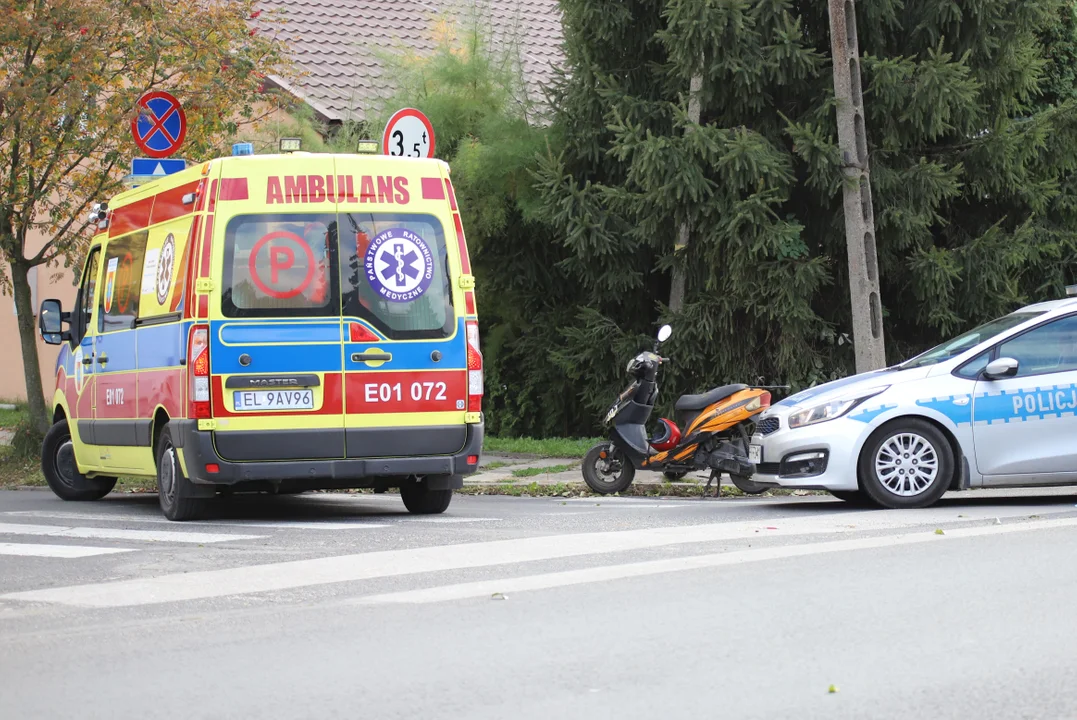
831 410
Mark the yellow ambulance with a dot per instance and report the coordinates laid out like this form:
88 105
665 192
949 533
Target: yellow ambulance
272 323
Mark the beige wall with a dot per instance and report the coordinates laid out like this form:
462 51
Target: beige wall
12 384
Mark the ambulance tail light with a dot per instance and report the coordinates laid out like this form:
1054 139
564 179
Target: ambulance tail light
198 362
474 369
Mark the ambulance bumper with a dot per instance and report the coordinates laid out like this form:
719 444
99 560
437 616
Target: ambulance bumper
199 452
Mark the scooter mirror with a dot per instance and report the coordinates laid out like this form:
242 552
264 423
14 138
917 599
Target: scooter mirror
664 333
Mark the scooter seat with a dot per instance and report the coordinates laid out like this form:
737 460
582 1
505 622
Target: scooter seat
698 402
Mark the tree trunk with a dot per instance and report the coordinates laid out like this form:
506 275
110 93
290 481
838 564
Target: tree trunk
676 291
35 398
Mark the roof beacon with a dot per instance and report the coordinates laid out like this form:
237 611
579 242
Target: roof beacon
1071 291
243 148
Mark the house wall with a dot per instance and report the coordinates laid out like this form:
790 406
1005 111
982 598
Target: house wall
12 384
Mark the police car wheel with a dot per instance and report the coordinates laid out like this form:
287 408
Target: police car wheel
907 463
173 487
62 473
421 500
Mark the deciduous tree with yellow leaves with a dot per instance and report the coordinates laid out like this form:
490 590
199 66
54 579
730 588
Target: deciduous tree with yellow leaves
71 73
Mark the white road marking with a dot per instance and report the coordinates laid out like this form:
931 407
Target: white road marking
621 502
120 534
356 524
447 520
391 563
485 588
57 551
300 525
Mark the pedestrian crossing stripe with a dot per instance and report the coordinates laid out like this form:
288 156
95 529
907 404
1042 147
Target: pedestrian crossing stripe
57 551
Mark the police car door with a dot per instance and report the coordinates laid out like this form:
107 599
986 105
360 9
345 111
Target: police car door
1024 426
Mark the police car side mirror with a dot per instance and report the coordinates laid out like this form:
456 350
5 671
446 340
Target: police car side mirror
50 322
1002 368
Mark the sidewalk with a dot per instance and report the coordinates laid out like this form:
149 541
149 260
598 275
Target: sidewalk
499 471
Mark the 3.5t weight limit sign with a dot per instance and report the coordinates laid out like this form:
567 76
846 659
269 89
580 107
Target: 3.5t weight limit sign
408 134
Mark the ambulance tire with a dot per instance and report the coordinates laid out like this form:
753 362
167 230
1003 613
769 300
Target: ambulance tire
173 488
421 500
61 472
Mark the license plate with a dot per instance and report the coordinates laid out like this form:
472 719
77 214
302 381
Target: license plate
270 400
755 453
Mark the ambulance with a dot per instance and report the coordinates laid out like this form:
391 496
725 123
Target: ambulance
274 323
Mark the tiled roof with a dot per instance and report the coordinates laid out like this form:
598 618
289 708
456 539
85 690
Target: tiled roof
336 44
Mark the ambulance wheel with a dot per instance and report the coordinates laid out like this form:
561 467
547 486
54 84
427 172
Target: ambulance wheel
62 473
173 487
907 463
421 500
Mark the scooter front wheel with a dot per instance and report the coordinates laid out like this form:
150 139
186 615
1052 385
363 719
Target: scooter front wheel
606 470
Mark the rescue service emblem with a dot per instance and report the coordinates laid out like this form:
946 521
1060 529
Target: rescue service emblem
164 269
110 283
399 265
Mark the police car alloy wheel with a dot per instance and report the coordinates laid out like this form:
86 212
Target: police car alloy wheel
907 463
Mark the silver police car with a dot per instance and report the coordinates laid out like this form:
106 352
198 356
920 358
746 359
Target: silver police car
995 407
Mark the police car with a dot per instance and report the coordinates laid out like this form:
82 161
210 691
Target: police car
994 407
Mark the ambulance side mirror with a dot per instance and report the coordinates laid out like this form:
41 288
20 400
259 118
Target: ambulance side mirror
1004 367
50 322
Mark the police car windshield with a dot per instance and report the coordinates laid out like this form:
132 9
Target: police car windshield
972 338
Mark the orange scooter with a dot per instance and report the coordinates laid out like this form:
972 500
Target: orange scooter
717 428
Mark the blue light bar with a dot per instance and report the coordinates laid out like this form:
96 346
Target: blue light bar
245 148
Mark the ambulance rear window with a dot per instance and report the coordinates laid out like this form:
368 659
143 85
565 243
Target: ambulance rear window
391 269
281 265
395 274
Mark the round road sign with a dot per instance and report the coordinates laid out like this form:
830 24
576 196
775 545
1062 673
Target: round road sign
160 126
408 134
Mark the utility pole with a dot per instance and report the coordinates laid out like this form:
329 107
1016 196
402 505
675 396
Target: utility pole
859 216
676 293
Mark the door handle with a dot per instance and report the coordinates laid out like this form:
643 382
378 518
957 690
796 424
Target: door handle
103 359
371 356
87 360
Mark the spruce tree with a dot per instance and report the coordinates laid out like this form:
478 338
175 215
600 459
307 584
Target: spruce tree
972 173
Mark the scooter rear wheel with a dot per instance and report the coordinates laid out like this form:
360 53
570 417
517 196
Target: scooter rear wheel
746 486
610 474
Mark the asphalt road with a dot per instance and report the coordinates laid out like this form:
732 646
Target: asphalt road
326 606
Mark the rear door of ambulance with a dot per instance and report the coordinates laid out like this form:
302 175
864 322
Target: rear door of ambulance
276 343
405 354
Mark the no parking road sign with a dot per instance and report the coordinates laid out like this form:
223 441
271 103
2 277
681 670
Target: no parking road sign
160 126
